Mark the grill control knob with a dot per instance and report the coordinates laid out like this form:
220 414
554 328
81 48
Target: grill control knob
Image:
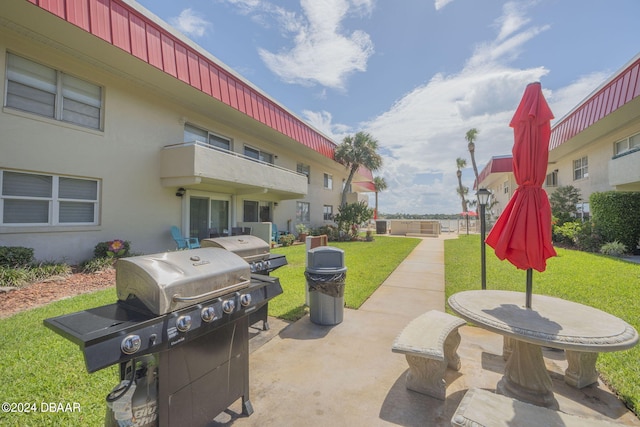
228 306
183 323
245 299
130 344
208 314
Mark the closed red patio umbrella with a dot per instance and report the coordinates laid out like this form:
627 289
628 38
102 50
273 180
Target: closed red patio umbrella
522 233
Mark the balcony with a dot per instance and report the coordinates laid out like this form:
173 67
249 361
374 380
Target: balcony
624 173
201 166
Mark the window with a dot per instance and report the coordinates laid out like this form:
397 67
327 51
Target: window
328 181
41 90
580 168
305 170
192 133
250 211
505 187
552 179
303 212
627 144
36 199
327 212
256 154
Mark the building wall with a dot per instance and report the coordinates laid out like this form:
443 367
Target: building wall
125 158
317 196
502 185
600 153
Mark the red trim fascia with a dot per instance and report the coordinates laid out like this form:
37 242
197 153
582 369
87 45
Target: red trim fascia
620 90
126 28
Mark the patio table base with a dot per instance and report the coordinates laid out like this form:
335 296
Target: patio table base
526 377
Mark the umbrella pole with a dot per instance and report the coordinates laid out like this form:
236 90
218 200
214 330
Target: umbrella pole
529 286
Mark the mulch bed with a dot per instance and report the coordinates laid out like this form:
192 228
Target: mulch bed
53 289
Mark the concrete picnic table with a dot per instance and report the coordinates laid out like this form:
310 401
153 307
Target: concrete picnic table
550 322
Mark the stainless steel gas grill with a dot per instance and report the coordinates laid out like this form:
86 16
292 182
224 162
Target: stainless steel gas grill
190 311
254 251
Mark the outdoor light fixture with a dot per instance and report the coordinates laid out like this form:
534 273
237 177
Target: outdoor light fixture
180 192
484 196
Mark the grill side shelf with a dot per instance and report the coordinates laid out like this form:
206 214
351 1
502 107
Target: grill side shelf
99 333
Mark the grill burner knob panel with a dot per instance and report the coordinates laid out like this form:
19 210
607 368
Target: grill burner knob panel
228 306
208 314
131 344
245 299
183 323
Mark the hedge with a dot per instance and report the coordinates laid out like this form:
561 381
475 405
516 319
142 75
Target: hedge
617 216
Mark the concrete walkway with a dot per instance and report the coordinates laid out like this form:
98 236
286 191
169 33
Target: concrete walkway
303 374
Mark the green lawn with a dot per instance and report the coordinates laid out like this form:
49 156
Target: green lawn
37 365
609 284
368 265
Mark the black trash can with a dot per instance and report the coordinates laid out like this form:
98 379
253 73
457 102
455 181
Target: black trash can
326 275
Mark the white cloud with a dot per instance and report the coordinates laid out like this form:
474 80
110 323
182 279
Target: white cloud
422 134
322 51
512 20
563 100
439 4
190 23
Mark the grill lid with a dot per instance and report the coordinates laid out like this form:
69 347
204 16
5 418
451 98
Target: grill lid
251 248
169 281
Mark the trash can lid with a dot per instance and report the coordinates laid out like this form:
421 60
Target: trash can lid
325 257
327 270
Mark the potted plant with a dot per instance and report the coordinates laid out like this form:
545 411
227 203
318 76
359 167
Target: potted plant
303 232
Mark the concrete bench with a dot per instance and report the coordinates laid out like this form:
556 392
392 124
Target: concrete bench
430 343
481 408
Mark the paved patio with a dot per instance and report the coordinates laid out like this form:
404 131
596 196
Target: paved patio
346 375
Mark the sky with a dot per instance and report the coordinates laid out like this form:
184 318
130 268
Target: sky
415 74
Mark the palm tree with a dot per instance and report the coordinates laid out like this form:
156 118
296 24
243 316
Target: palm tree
471 137
380 185
354 152
461 163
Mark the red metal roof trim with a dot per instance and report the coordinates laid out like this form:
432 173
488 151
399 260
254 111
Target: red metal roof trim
122 26
621 89
366 185
495 165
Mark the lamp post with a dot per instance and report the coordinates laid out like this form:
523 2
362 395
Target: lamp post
483 199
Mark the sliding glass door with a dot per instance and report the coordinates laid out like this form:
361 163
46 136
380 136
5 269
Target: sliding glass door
208 216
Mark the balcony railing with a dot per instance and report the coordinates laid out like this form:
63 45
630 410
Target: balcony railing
200 164
624 170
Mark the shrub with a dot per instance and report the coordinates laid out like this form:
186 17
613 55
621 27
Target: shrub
13 276
617 215
330 231
566 233
588 238
112 249
96 264
614 248
302 229
20 276
564 201
351 216
287 239
15 256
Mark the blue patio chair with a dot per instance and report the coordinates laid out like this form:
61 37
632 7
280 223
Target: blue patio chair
184 242
274 233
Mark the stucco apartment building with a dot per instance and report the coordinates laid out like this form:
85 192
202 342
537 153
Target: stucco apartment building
595 147
114 125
